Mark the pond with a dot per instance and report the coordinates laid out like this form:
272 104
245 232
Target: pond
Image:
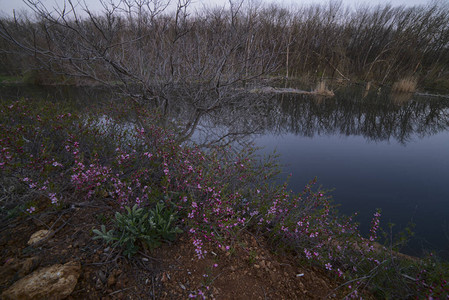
372 150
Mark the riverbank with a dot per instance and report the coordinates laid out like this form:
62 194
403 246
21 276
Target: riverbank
63 168
266 85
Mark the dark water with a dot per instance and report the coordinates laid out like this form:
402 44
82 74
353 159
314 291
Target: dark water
374 151
79 97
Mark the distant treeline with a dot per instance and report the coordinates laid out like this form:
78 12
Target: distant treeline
144 43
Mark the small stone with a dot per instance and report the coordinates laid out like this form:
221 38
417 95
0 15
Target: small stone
98 284
256 266
102 276
38 236
262 264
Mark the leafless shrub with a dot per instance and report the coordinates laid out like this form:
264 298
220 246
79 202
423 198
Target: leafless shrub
152 50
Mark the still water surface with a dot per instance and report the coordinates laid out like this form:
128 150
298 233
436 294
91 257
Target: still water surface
375 152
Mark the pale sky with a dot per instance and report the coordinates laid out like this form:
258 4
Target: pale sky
7 6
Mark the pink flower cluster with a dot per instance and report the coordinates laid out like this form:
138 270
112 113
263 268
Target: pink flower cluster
374 226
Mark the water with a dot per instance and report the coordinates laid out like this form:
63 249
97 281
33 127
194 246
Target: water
375 152
79 97
372 151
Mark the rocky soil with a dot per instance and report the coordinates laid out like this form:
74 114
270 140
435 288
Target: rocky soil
65 263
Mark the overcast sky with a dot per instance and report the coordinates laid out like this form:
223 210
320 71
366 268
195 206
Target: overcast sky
7 6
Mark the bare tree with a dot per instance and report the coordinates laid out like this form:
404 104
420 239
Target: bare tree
149 52
158 50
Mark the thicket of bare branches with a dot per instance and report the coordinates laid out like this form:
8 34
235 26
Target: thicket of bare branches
152 49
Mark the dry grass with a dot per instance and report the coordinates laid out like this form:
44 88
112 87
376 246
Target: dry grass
322 89
368 86
400 98
405 85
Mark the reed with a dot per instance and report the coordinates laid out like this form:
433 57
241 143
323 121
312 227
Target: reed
405 85
400 98
322 89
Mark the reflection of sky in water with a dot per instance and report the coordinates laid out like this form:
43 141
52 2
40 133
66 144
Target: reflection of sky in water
409 182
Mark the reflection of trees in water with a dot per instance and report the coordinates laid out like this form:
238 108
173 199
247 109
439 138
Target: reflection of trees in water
234 121
375 117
